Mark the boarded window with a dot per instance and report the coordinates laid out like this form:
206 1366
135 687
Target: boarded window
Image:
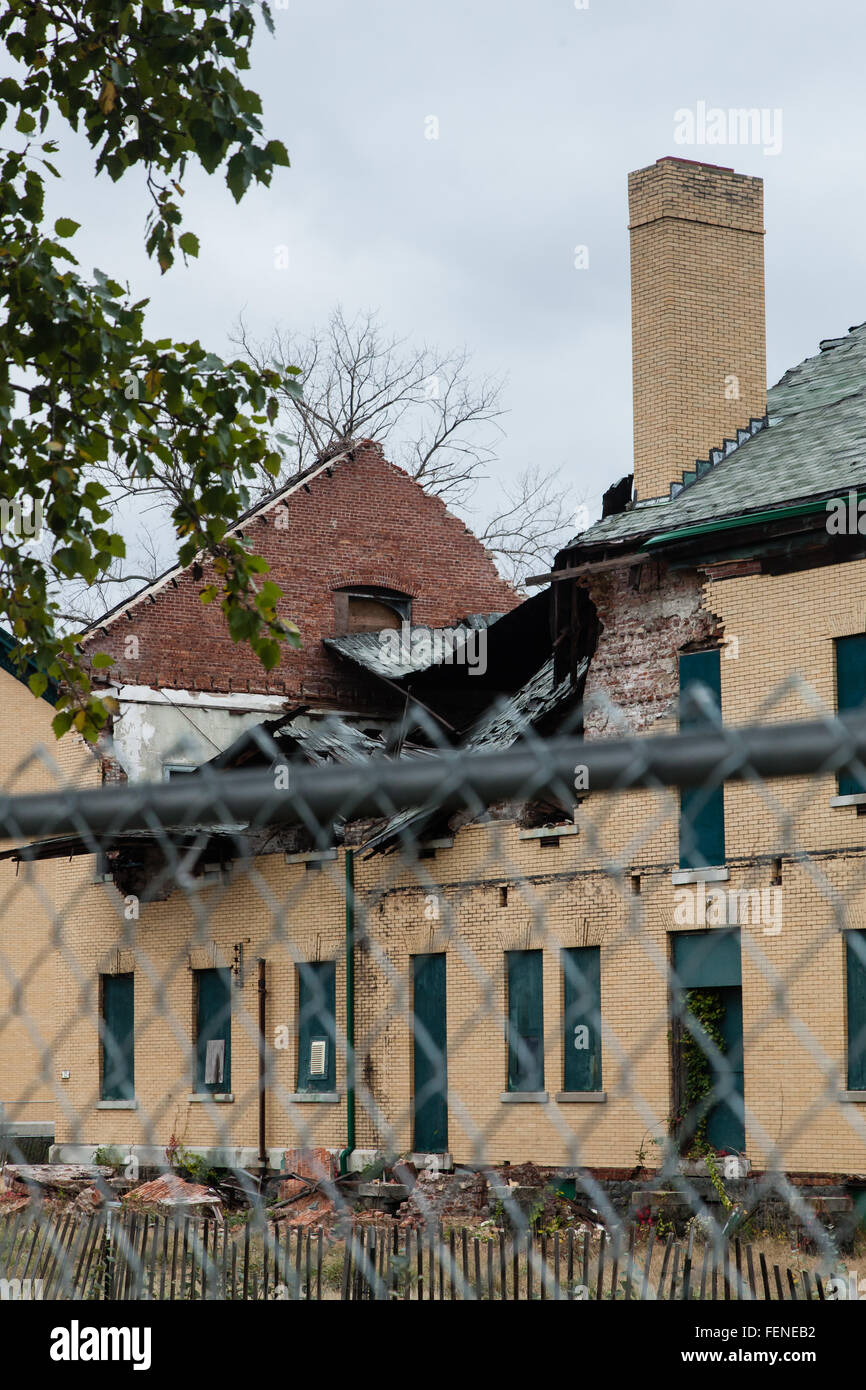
525 1021
371 609
581 980
317 1027
213 1030
118 1037
702 809
855 961
850 694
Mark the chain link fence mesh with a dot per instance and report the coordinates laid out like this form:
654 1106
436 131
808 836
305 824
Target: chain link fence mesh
627 1069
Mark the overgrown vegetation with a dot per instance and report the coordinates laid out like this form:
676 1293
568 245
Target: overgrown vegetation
153 88
707 1008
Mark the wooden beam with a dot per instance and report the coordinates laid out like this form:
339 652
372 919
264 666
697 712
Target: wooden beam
591 567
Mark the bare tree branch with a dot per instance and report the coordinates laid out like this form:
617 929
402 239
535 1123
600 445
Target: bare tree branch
436 421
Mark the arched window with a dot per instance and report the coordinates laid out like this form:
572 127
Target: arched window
369 608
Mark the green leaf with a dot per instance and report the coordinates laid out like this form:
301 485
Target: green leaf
101 659
238 175
278 152
62 723
38 683
64 226
188 244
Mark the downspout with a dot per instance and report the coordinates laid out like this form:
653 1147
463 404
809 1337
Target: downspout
350 1010
263 1151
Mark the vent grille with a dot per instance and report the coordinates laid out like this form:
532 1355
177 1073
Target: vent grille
318 1052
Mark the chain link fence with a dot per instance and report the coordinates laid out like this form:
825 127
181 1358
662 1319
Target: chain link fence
318 1021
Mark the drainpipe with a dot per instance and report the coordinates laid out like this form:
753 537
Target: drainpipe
263 1152
350 1010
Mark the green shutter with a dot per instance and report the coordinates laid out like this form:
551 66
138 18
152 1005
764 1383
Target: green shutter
525 1021
430 1053
850 693
118 1037
581 971
213 1023
855 960
317 993
708 959
702 809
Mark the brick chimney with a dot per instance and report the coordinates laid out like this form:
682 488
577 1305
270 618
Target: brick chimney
699 365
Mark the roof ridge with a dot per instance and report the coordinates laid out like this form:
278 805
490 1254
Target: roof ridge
272 500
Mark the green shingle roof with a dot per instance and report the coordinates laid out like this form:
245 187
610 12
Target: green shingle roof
813 447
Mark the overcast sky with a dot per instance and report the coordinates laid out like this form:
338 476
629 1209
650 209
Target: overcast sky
542 108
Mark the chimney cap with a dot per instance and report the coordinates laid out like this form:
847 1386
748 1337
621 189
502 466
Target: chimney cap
678 159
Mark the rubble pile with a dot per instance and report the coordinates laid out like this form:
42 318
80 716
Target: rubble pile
455 1199
171 1191
546 1204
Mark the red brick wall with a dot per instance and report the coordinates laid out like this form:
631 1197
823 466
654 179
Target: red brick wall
635 665
368 523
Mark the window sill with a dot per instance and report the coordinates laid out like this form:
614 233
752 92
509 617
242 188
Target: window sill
548 832
579 1097
311 856
852 1097
131 1104
853 799
524 1097
315 1098
700 876
219 1097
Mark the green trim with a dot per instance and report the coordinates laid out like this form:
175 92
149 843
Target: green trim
317 1023
752 519
8 645
855 980
118 1039
525 973
213 1014
350 1008
581 994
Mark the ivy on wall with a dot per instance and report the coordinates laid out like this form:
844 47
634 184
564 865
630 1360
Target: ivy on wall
707 1008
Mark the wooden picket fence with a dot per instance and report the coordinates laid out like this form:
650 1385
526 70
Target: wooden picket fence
134 1255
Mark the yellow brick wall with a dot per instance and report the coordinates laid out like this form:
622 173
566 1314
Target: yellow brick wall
280 913
698 336
33 902
793 979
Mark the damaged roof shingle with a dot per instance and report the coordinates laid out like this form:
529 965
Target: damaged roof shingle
397 652
812 448
498 728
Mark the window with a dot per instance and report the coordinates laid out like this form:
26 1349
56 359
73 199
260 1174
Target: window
370 609
213 1030
702 809
172 770
855 962
581 978
317 1028
850 693
525 1021
118 1030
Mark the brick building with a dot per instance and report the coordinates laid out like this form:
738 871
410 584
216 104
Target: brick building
538 955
